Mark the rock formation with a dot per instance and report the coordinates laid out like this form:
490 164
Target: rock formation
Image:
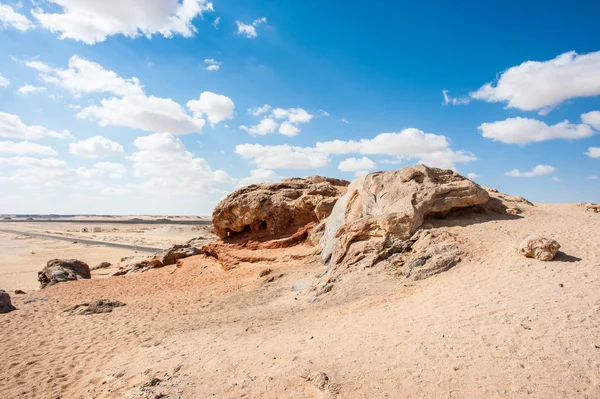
268 211
176 252
61 270
96 307
5 303
382 210
541 248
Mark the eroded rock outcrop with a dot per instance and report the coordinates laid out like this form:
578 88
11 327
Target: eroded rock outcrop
5 302
538 247
269 211
382 210
176 252
61 270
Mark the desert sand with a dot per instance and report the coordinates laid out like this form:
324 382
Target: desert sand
497 325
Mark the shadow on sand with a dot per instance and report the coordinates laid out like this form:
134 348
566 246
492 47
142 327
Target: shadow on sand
563 257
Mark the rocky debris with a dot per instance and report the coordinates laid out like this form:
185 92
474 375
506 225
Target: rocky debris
590 207
268 211
103 265
321 381
271 279
538 247
96 307
20 292
432 252
381 211
265 272
504 203
34 300
5 303
141 266
176 252
62 270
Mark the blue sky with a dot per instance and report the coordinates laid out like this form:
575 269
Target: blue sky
157 98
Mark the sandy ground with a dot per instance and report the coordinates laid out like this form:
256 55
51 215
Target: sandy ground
22 257
496 326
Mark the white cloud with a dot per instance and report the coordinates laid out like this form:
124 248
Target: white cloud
556 179
249 31
92 21
216 107
40 66
95 147
36 172
543 85
323 112
259 176
472 176
287 129
9 18
539 170
11 126
131 108
359 166
293 115
113 169
259 110
212 65
282 156
185 173
268 124
25 147
3 81
344 120
454 100
161 115
73 106
592 177
265 126
30 89
593 152
216 22
524 130
592 118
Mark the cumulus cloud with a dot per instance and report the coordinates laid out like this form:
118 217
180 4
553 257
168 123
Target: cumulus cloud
259 176
185 172
289 127
472 176
114 170
249 30
217 107
454 100
593 152
259 110
360 166
535 85
525 130
212 65
9 18
11 126
30 89
130 107
592 118
539 170
36 172
282 156
3 81
265 126
25 147
95 147
92 21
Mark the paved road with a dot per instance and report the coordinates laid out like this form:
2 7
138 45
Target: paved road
83 241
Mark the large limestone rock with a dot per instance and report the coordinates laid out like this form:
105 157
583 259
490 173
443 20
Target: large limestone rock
540 248
5 303
382 210
269 211
61 270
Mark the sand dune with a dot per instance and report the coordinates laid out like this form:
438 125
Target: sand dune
497 325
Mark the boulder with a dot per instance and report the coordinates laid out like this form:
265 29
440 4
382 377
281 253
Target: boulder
538 247
176 252
382 210
269 211
141 266
102 265
5 303
61 270
432 252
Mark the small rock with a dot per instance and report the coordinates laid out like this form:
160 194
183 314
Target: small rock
265 272
538 247
5 303
561 285
96 307
19 292
153 382
320 380
102 265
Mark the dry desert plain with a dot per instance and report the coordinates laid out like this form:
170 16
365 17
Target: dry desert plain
497 325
